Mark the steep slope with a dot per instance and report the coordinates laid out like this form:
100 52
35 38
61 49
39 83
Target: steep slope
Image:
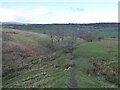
21 47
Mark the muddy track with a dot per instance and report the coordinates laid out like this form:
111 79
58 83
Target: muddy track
73 81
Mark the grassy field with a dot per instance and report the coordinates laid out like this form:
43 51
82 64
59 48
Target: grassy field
88 53
55 73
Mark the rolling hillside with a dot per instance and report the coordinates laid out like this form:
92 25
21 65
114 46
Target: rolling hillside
29 63
21 47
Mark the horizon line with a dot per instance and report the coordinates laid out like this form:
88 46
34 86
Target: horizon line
57 23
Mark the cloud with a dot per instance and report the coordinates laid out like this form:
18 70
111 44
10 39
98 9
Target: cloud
8 14
77 9
41 10
55 14
27 14
92 17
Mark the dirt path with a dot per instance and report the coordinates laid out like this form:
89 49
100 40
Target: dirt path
73 81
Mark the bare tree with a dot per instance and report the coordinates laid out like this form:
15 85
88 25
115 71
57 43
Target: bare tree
51 35
87 35
56 39
70 43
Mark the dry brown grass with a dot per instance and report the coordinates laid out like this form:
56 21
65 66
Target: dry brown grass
21 47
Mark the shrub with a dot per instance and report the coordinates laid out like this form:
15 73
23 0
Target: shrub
67 65
106 68
100 38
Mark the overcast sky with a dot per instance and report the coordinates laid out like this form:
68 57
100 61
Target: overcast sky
74 11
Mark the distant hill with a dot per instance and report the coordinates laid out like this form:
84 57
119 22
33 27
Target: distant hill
12 23
104 29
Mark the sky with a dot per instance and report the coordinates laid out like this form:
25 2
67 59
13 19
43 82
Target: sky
63 11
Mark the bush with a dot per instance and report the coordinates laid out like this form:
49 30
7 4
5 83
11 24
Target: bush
66 66
106 68
100 38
